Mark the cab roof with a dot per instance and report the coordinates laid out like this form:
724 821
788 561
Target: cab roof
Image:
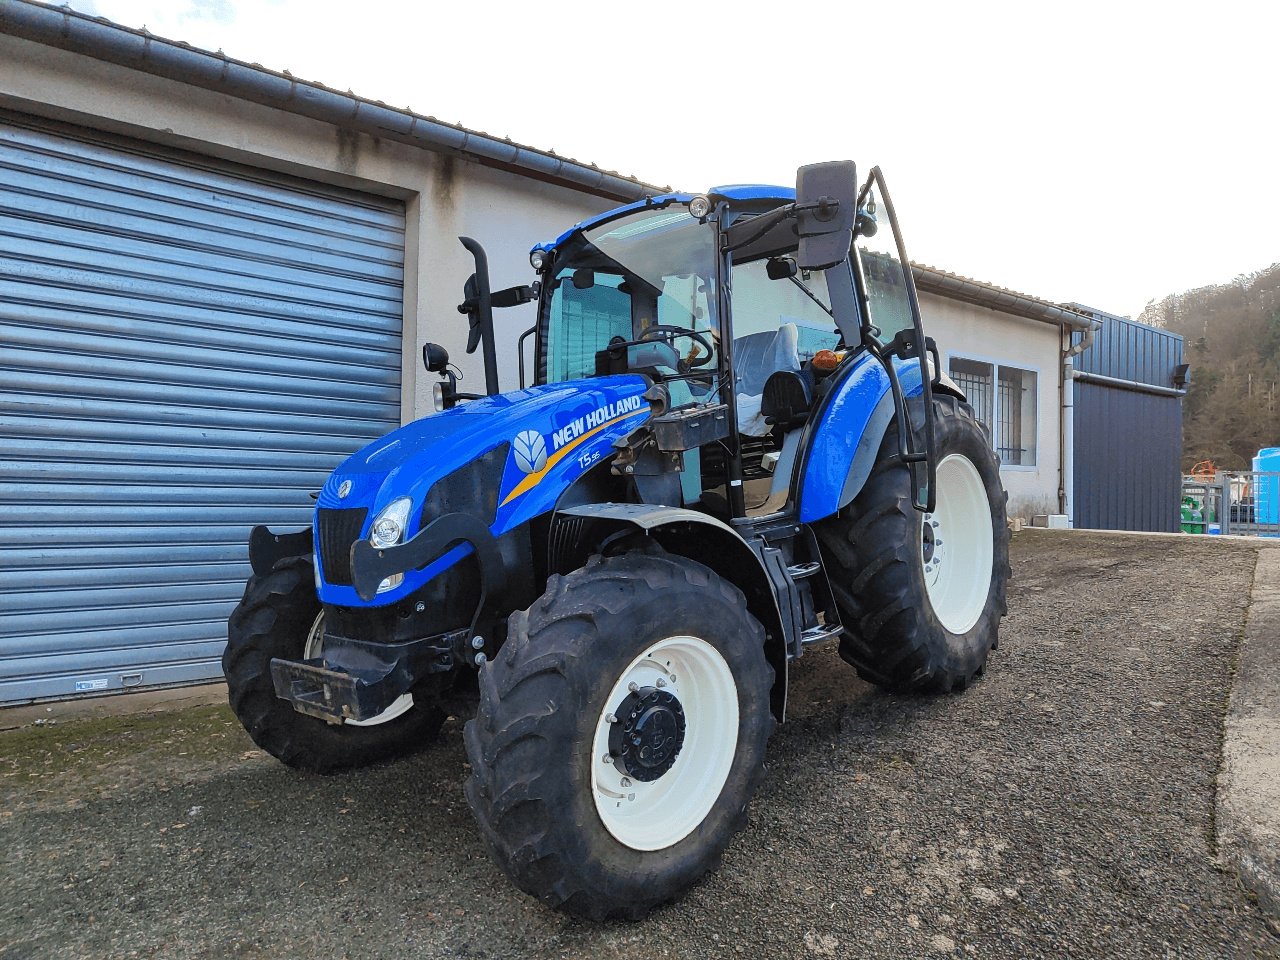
734 193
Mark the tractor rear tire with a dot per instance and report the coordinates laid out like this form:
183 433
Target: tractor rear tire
274 619
601 827
921 596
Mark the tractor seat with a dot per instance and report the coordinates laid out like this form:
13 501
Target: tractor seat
788 398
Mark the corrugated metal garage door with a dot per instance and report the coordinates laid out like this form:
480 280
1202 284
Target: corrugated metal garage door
188 348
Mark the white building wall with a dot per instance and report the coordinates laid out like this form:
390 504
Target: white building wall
444 196
979 333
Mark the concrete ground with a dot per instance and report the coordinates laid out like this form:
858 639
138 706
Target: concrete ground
1249 787
1062 807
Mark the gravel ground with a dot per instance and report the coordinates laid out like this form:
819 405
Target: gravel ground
1061 807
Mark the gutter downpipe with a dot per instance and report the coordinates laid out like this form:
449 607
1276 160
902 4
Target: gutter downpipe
1067 427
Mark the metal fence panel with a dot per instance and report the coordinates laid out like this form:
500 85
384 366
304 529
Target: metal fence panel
1233 503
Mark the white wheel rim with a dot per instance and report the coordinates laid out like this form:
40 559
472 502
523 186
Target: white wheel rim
957 545
315 648
660 813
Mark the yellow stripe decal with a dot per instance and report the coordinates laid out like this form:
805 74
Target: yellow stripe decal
533 479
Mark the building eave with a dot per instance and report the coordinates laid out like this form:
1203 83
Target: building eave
955 287
139 50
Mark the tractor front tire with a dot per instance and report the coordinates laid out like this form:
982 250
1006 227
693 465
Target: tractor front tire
921 596
275 619
621 734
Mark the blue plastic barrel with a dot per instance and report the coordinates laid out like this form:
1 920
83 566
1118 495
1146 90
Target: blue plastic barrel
1266 494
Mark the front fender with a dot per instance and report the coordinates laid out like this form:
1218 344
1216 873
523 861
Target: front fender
713 544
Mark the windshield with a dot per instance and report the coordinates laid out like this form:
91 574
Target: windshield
622 279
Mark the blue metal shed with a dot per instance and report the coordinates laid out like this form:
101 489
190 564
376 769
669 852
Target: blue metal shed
1127 418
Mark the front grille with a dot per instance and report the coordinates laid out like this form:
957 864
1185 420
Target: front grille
471 489
339 529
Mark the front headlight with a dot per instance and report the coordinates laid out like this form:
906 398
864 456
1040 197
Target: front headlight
388 529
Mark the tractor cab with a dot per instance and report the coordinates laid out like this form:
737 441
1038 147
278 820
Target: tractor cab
637 292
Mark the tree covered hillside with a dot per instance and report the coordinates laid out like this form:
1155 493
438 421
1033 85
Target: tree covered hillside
1232 336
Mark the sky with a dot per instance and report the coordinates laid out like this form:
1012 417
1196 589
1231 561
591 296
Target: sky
1101 153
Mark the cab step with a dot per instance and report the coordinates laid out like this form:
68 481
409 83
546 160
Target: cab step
798 571
819 633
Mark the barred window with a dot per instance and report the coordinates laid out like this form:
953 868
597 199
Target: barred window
1003 398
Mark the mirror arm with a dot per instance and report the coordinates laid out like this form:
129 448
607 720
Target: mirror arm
513 296
738 235
828 205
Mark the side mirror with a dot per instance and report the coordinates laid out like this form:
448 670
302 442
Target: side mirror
826 195
435 357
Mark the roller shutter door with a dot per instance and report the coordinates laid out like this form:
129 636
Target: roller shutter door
187 348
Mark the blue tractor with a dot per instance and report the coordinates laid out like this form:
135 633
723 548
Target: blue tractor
738 443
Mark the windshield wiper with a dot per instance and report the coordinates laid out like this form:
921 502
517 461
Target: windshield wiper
809 293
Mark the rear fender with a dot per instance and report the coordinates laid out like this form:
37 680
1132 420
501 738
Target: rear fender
582 530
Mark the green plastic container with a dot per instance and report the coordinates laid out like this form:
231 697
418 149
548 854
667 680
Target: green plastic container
1192 516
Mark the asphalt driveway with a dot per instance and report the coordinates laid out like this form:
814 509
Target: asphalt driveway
1063 806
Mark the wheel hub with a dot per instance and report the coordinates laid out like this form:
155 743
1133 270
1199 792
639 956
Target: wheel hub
930 538
648 734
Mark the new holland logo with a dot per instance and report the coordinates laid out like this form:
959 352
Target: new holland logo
530 450
343 489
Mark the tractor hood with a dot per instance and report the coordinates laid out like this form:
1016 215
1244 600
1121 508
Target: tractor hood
519 452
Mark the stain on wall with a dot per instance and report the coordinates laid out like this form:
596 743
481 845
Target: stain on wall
348 150
445 181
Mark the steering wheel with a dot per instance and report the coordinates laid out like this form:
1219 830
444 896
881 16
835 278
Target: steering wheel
670 331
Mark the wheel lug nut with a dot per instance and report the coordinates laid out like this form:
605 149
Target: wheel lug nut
607 758
661 682
633 686
610 718
626 781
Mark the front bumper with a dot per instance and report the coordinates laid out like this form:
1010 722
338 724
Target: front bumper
357 680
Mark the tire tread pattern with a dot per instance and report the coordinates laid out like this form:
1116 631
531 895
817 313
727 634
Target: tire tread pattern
272 620
529 695
891 636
